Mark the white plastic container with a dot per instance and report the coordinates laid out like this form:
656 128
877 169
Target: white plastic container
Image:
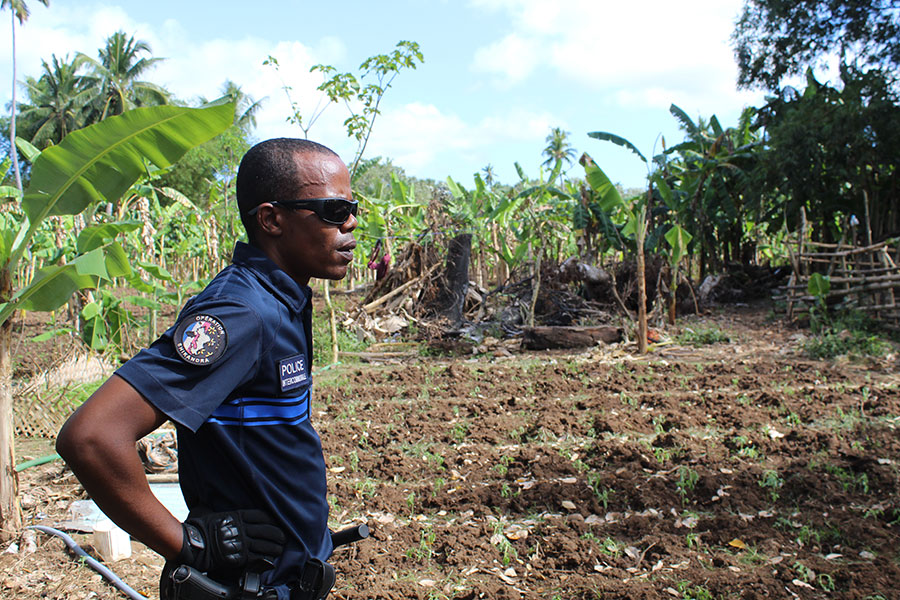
111 542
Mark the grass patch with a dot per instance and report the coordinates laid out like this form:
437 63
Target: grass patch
702 336
831 343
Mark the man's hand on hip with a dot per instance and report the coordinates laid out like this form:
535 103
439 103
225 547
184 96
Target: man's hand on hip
231 541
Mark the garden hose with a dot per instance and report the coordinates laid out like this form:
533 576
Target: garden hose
92 562
37 461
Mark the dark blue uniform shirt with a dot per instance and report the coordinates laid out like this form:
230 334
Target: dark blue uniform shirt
233 373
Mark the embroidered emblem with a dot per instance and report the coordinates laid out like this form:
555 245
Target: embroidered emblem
292 372
200 339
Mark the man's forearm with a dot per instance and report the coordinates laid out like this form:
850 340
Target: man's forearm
117 484
98 443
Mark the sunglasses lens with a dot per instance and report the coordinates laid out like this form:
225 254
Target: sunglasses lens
338 210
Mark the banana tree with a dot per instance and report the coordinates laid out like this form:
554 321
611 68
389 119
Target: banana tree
92 165
635 209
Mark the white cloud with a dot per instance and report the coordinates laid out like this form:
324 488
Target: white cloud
513 58
192 68
634 50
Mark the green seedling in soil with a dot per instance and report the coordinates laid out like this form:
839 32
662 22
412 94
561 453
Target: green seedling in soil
826 582
847 421
424 550
366 488
601 493
664 455
349 411
753 557
687 481
850 481
702 336
502 466
793 419
749 452
807 536
418 450
459 432
772 482
692 540
435 459
437 487
689 591
659 424
804 573
627 400
504 490
611 547
411 502
507 550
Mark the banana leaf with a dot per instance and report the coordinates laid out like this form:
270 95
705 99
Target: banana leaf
99 163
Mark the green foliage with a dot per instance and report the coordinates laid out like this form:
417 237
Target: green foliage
425 548
828 151
322 342
773 482
703 336
92 165
830 344
687 481
775 39
849 333
360 93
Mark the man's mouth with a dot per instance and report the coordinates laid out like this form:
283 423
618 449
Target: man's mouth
346 250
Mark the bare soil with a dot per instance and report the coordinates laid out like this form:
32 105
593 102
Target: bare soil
735 470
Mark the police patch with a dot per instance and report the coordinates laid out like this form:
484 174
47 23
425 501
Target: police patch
292 372
200 339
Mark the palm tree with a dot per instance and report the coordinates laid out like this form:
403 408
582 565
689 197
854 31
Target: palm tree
19 10
558 150
117 70
489 175
57 103
246 107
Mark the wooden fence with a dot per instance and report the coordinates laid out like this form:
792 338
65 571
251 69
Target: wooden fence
864 278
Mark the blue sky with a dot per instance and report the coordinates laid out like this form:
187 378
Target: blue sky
497 76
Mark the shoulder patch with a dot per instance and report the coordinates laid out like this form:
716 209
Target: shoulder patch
200 339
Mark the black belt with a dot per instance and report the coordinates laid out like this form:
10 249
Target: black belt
186 583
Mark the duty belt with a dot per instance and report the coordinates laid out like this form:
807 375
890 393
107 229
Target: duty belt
187 583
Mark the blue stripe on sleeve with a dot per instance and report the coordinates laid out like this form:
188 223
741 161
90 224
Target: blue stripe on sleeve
262 411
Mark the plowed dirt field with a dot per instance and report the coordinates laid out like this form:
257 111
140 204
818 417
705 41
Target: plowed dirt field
734 470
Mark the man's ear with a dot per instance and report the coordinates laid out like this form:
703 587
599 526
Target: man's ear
269 220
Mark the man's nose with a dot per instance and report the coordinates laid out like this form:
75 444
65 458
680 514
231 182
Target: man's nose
350 224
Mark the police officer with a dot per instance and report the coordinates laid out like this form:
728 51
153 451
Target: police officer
233 374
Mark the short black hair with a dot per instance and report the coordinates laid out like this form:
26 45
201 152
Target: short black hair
268 173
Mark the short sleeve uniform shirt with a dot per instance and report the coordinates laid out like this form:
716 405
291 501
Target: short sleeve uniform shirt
233 373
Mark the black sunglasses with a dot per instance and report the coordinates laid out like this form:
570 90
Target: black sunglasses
335 211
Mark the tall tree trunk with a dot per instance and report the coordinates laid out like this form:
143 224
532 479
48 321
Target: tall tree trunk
640 234
12 121
10 514
536 282
456 278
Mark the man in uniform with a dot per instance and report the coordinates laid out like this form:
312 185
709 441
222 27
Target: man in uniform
233 373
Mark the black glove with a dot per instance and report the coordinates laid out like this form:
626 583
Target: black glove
230 542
